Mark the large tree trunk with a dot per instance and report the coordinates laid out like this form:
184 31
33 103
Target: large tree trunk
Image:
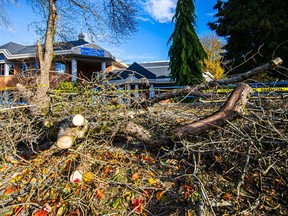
39 99
233 108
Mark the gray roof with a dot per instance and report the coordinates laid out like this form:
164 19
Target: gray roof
13 48
136 70
160 68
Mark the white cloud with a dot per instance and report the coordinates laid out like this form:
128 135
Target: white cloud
161 10
144 19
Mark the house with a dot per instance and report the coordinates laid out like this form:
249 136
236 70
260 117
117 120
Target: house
72 60
139 77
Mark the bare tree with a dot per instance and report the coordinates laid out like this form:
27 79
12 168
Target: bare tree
4 19
115 18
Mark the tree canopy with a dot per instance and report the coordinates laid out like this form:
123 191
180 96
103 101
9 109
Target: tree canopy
213 47
186 52
250 27
111 20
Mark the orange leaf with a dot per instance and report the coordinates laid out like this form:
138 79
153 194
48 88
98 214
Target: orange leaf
227 196
135 176
10 190
145 192
159 195
40 213
99 194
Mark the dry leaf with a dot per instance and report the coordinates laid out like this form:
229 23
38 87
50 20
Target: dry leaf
159 195
135 176
227 196
138 205
152 181
88 176
99 194
40 213
2 168
10 190
218 158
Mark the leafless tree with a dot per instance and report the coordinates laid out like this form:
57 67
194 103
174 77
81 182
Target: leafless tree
115 18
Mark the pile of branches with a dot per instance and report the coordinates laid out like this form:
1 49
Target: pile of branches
125 158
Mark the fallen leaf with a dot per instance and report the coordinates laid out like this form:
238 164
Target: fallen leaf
88 176
152 181
138 205
159 195
227 196
218 158
67 189
17 178
2 168
40 212
9 213
10 190
116 203
135 176
99 194
61 211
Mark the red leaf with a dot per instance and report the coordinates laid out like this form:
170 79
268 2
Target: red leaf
138 205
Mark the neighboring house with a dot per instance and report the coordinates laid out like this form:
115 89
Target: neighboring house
142 76
72 60
162 72
156 73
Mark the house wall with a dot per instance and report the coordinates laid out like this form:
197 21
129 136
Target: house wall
28 78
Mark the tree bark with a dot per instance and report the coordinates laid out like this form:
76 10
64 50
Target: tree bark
196 91
234 106
39 98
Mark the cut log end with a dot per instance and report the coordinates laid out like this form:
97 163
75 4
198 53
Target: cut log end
65 142
78 120
277 61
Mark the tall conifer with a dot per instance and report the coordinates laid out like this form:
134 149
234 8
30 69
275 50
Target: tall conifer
249 25
186 52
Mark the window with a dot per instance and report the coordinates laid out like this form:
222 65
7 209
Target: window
2 69
11 69
60 67
2 57
24 69
35 68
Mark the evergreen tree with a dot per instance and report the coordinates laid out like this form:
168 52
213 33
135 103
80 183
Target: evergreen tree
186 52
250 24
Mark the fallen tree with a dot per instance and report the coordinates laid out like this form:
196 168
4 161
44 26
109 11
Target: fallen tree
166 159
197 90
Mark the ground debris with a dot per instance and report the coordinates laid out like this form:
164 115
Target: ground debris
239 169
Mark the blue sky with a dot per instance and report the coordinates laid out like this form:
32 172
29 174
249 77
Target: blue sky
148 44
